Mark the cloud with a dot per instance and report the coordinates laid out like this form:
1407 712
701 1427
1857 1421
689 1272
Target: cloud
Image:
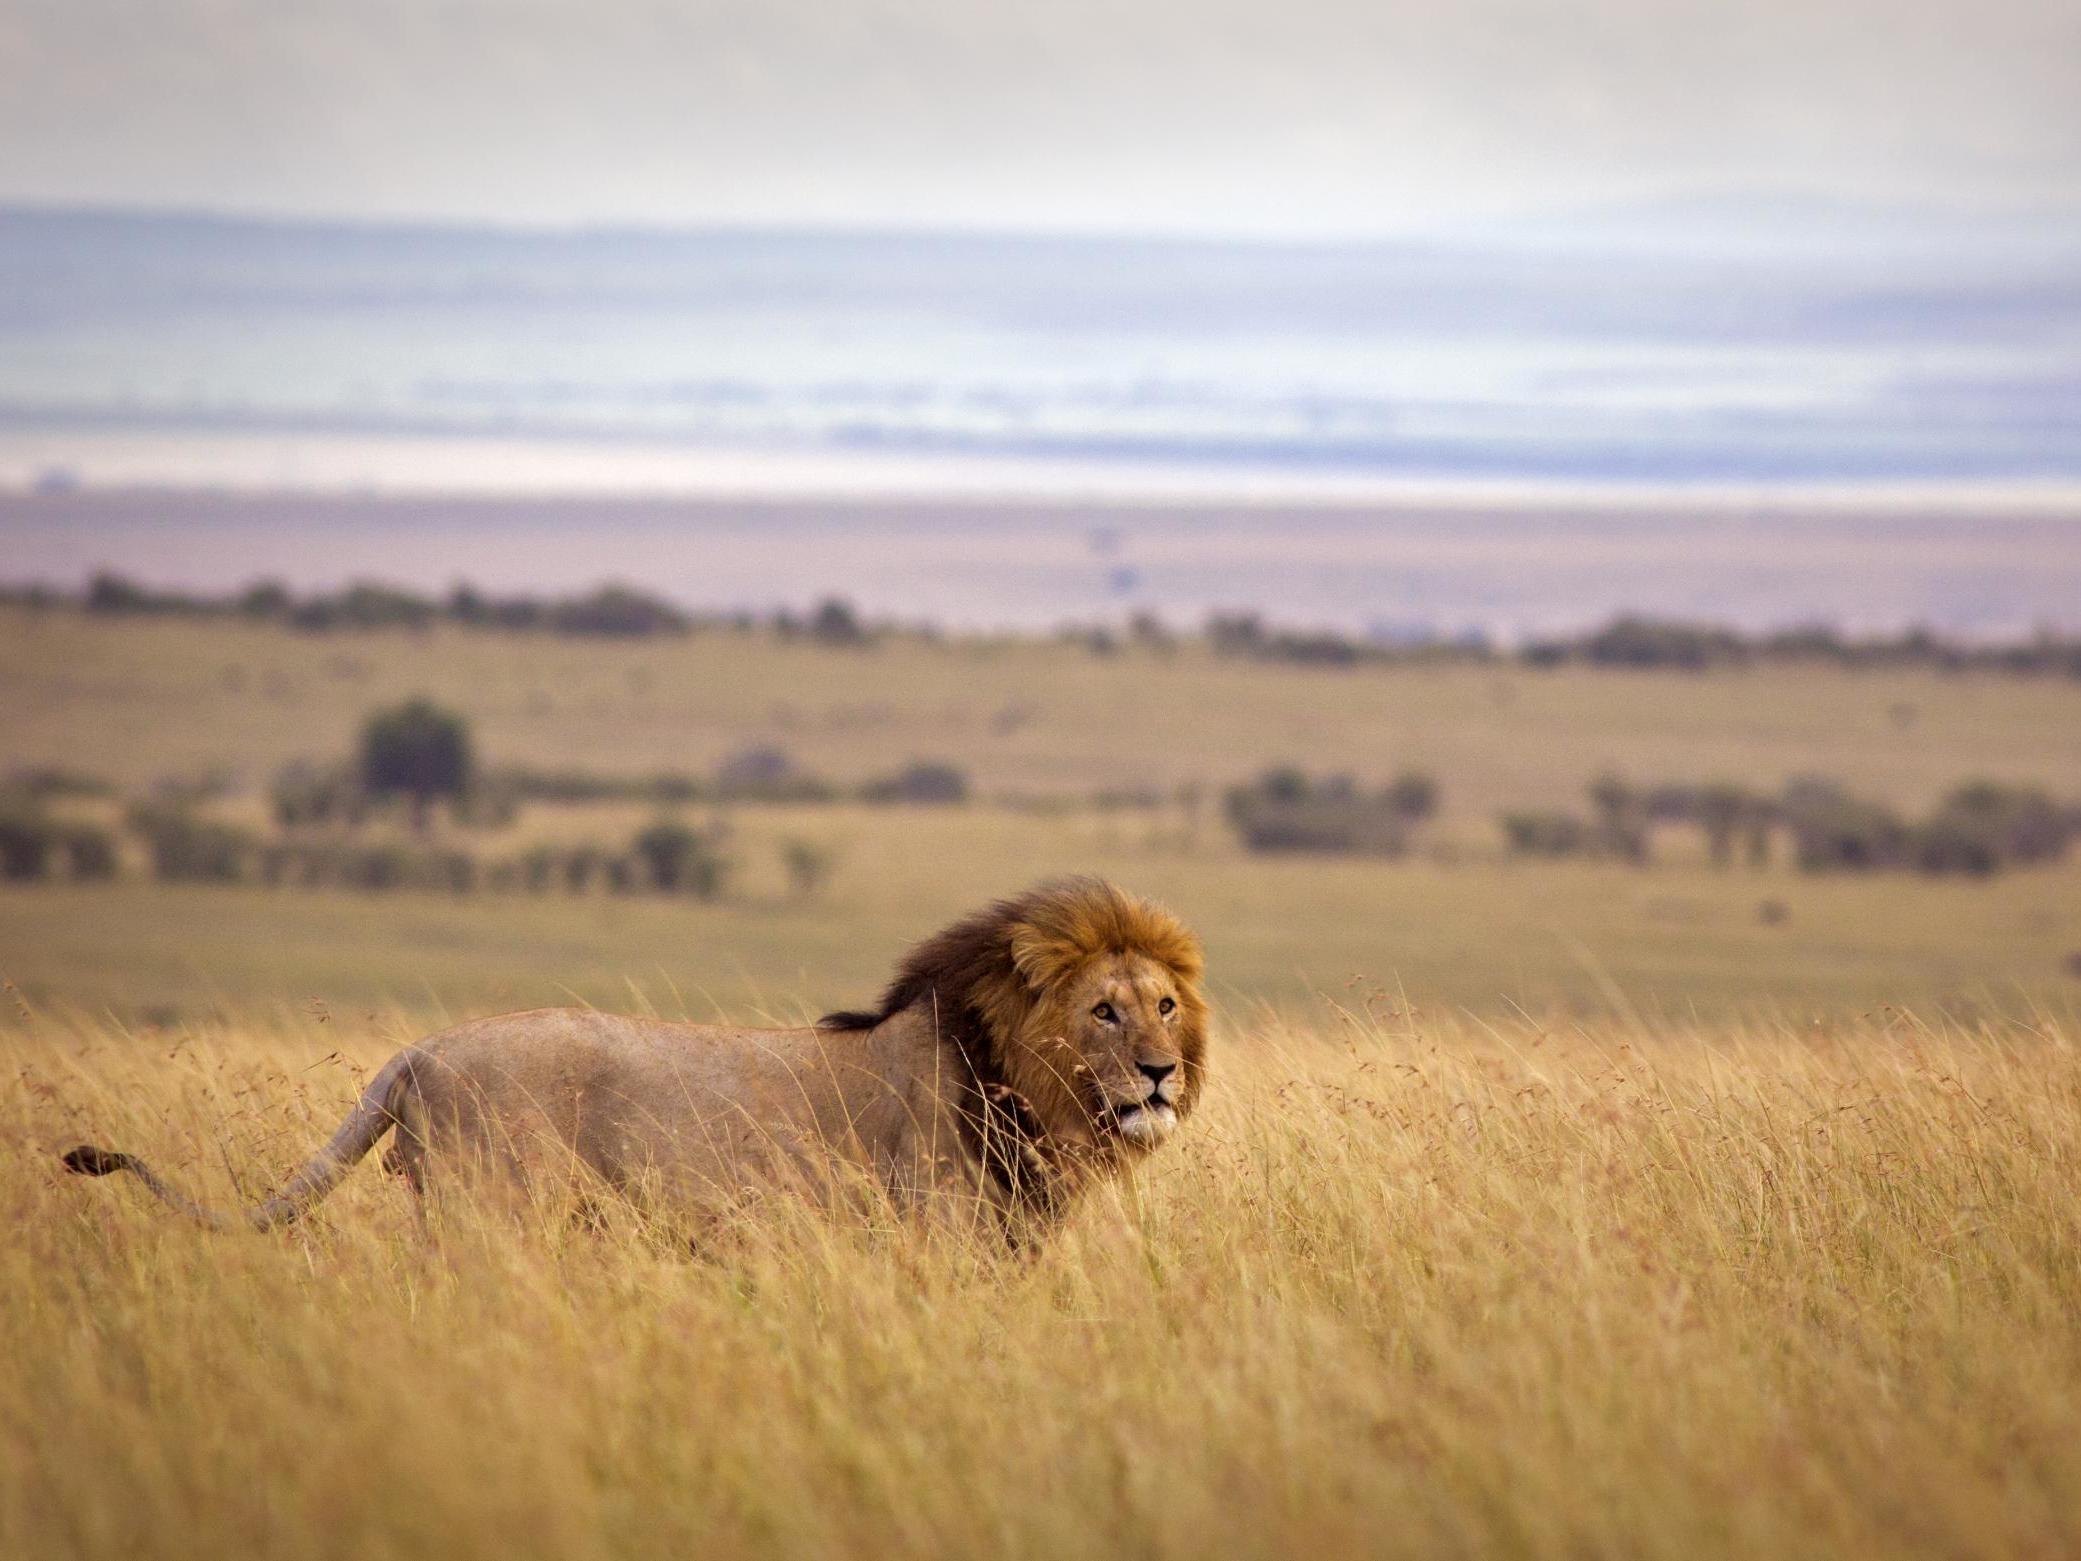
1228 115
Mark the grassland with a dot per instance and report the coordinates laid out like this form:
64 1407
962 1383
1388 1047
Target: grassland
1487 937
1552 1209
135 701
1404 1287
1455 927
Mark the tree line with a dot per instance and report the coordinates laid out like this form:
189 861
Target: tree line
1979 827
610 611
1628 641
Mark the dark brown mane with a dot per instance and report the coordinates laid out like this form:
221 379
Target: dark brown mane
947 968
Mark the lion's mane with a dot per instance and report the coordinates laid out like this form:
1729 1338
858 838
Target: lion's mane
994 981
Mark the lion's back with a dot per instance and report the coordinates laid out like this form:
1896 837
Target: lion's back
623 1094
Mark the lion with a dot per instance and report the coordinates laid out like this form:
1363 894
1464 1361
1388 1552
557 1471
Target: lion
1019 1057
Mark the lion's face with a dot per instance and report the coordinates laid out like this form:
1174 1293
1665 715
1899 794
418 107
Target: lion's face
1118 1051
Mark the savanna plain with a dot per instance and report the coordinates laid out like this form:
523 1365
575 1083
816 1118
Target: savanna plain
1542 1207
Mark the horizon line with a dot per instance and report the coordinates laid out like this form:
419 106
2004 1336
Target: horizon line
1494 225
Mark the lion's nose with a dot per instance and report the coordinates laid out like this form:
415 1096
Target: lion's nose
1157 1072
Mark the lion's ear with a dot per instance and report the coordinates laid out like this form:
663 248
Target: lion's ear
1043 958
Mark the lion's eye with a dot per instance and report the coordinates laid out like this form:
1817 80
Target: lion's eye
1104 1014
1166 1006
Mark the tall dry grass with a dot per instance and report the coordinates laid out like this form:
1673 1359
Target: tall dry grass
1403 1287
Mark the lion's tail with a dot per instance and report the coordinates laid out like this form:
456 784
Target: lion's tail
373 1115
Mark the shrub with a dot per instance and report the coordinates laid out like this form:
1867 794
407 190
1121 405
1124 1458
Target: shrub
1721 810
1654 643
382 866
365 605
1954 843
1622 819
2018 824
808 865
455 871
305 795
419 751
767 774
188 849
579 866
835 623
1547 833
1413 795
927 782
27 841
537 869
1284 809
265 599
1832 830
673 858
89 852
616 611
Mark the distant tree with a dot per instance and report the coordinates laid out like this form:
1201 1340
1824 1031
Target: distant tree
89 852
1957 843
1833 830
674 858
1655 643
305 795
27 841
418 751
1413 795
580 865
536 869
108 592
1149 632
1544 833
616 611
835 623
1758 829
265 599
1281 783
922 781
1985 826
2022 823
1721 811
186 848
766 774
1612 798
1285 809
366 604
808 865
1621 818
1235 633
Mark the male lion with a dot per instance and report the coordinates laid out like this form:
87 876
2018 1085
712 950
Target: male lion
1027 1050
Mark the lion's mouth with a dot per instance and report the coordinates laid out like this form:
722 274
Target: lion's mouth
1145 1121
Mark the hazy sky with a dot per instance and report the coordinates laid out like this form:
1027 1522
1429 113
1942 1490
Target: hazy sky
1270 116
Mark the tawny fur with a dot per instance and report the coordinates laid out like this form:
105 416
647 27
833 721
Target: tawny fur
1040 1044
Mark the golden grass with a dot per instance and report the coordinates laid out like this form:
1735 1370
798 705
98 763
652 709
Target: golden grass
1405 1286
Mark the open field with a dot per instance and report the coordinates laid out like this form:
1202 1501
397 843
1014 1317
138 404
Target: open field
1490 937
1550 1208
135 701
1455 926
1402 1288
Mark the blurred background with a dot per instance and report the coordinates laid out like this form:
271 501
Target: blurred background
1513 504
